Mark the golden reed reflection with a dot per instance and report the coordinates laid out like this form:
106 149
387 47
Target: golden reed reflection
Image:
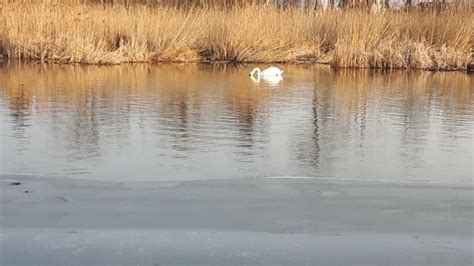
345 93
314 116
44 81
344 90
347 102
98 96
177 86
349 93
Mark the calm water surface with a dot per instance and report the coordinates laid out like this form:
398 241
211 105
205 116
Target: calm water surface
176 122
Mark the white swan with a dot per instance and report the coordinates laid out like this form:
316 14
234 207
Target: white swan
269 72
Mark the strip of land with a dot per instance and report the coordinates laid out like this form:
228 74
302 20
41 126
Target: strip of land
61 221
69 32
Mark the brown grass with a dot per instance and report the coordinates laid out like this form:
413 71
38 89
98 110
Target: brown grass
113 34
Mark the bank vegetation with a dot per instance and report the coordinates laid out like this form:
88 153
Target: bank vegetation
108 32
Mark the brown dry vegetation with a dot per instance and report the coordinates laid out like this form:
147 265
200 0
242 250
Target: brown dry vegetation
113 34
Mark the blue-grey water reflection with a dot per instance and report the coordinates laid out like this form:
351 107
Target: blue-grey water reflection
176 122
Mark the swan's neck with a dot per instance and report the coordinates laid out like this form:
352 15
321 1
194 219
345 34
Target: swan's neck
256 70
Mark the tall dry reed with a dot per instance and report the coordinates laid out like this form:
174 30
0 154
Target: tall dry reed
112 34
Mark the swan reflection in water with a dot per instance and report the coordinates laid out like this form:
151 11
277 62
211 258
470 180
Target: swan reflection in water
272 81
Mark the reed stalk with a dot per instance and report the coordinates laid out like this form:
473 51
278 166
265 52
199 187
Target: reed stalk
76 31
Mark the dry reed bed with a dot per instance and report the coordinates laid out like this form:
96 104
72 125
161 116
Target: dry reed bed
68 33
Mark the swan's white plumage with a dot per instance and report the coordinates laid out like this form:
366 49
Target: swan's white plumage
269 72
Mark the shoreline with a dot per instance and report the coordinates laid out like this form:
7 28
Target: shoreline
333 180
6 60
238 221
82 197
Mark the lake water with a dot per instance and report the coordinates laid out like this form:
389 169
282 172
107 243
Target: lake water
183 122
